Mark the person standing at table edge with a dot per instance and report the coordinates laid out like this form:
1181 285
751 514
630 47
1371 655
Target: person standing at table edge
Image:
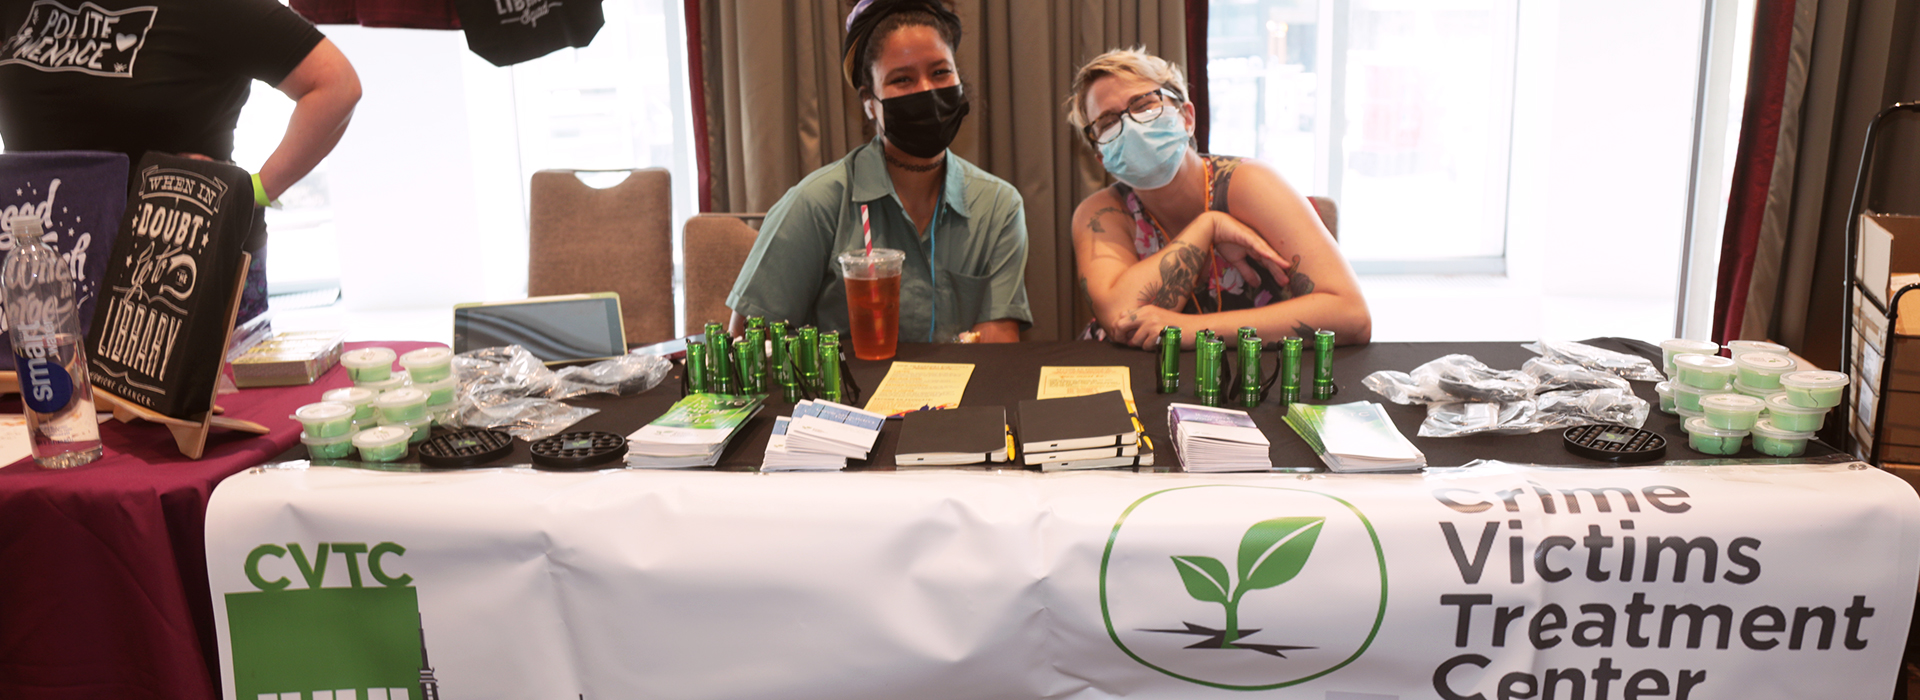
171 76
1193 240
964 231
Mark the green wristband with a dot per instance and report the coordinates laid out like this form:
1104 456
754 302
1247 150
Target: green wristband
260 192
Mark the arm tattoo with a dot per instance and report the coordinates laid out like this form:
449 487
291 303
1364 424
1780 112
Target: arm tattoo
1298 283
1180 270
1083 288
1094 222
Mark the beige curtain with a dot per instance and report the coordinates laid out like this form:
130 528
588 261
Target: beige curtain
777 109
1850 58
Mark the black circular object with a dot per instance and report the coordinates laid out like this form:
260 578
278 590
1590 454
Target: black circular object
1615 443
464 448
581 450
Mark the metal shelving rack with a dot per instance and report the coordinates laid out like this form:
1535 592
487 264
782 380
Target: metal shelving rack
1890 310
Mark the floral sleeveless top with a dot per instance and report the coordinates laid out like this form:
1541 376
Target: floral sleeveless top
1226 290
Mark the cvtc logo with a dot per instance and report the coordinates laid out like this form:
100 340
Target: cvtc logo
1243 587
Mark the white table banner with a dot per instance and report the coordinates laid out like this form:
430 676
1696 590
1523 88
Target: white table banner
1490 583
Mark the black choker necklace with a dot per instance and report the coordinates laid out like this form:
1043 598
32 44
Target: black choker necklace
909 167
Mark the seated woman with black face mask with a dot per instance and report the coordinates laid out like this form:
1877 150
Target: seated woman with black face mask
1193 240
962 230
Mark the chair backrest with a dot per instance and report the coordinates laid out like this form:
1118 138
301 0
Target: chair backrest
714 247
1329 213
619 239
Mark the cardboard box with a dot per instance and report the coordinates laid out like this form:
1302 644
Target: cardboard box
1889 245
1871 342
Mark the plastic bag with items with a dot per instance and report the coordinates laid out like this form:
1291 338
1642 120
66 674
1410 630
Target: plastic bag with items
508 389
1626 366
1452 378
1550 411
1466 397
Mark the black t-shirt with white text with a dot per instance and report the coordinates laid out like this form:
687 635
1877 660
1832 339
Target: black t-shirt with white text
139 75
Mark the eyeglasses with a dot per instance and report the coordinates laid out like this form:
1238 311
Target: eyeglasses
1141 109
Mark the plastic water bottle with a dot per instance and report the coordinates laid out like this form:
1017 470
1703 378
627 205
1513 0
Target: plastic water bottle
47 351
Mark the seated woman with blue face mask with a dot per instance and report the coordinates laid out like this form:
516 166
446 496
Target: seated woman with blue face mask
1193 240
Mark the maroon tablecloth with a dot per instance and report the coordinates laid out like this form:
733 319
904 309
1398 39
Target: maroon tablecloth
103 575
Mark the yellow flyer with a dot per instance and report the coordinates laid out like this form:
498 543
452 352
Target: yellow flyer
1057 382
912 386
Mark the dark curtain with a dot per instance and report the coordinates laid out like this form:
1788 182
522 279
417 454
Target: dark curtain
1754 163
697 79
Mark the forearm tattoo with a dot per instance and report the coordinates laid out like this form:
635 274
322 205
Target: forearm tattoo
1180 271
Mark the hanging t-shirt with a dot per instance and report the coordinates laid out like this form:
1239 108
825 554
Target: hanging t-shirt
506 32
140 75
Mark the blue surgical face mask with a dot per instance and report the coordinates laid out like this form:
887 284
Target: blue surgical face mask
1146 156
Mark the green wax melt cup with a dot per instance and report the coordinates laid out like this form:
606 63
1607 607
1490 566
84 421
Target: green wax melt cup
401 405
1762 370
1740 387
393 381
1740 348
325 419
1667 404
1786 416
1770 439
1731 411
1686 397
1669 349
1707 439
421 428
439 393
1704 371
428 364
368 364
1818 389
336 447
360 399
383 444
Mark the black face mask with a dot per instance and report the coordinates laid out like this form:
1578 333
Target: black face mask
924 123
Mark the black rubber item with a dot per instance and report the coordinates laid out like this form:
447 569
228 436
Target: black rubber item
1615 443
580 450
465 448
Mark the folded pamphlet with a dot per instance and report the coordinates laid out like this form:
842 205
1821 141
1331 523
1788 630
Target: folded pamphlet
693 433
1355 437
1212 439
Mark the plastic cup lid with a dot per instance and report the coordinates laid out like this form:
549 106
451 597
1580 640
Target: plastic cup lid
1701 347
367 357
447 383
1816 379
383 436
1705 363
1742 387
1664 388
323 411
1778 403
401 397
415 423
1765 362
1732 403
351 395
1689 413
1685 388
1766 428
1697 426
427 357
1746 346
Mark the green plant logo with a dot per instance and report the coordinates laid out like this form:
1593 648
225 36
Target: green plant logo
1271 553
1171 601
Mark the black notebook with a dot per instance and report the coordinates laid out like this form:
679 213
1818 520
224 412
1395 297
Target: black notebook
965 435
160 329
1075 423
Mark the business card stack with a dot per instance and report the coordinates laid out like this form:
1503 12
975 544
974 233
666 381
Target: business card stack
1355 437
693 433
782 459
954 436
1217 439
1078 432
828 428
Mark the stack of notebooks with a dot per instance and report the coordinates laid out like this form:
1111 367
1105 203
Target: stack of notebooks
1355 437
953 437
693 433
1080 432
1217 439
821 435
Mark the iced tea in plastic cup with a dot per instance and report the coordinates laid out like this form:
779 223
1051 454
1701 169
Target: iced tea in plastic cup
873 301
